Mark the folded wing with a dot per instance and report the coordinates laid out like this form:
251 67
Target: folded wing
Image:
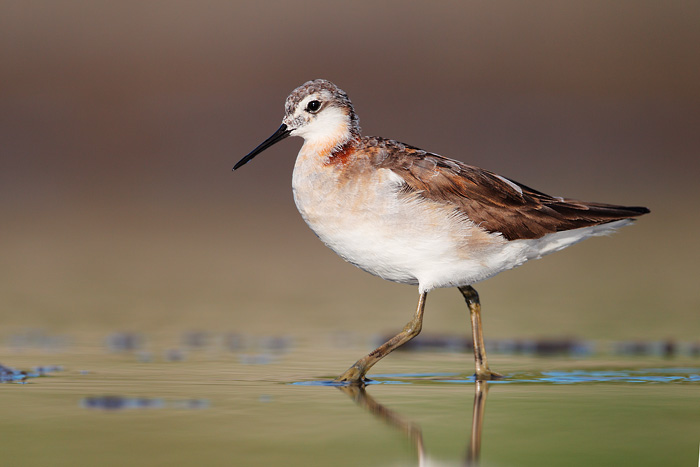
496 203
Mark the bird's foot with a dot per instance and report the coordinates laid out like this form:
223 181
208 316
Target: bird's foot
487 375
353 376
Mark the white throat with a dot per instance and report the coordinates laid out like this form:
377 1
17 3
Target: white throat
330 128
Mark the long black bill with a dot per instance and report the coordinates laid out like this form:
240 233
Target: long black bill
278 136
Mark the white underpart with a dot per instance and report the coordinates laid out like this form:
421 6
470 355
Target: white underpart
488 262
553 242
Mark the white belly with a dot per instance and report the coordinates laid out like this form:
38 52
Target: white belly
399 238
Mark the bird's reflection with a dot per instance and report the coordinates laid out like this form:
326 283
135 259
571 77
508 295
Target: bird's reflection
413 431
474 450
410 429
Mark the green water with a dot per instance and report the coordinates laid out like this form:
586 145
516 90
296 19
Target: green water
212 405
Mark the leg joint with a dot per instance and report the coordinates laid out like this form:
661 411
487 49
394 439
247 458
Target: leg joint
470 294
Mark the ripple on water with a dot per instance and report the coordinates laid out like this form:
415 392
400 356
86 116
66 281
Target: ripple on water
647 375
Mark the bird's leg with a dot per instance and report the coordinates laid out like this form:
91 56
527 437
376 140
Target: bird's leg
356 373
482 367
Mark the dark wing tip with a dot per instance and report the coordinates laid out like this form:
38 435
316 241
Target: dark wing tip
640 210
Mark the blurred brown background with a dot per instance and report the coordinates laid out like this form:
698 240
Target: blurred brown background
120 122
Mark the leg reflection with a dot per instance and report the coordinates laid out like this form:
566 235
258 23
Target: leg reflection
410 429
413 431
474 451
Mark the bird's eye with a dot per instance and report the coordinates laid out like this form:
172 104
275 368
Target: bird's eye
313 106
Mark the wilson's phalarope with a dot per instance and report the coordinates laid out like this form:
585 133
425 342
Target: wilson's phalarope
414 217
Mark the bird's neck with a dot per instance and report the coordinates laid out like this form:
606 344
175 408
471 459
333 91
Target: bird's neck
330 142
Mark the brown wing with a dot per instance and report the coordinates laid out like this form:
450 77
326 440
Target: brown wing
493 202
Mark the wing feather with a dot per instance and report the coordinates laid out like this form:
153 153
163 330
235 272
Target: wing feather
493 202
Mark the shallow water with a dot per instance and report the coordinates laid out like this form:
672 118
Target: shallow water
241 400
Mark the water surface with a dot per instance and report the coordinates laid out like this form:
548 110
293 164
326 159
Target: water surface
267 401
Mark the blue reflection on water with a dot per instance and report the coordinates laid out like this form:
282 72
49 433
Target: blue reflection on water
647 375
12 375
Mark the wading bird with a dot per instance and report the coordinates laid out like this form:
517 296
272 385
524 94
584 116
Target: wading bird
414 217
